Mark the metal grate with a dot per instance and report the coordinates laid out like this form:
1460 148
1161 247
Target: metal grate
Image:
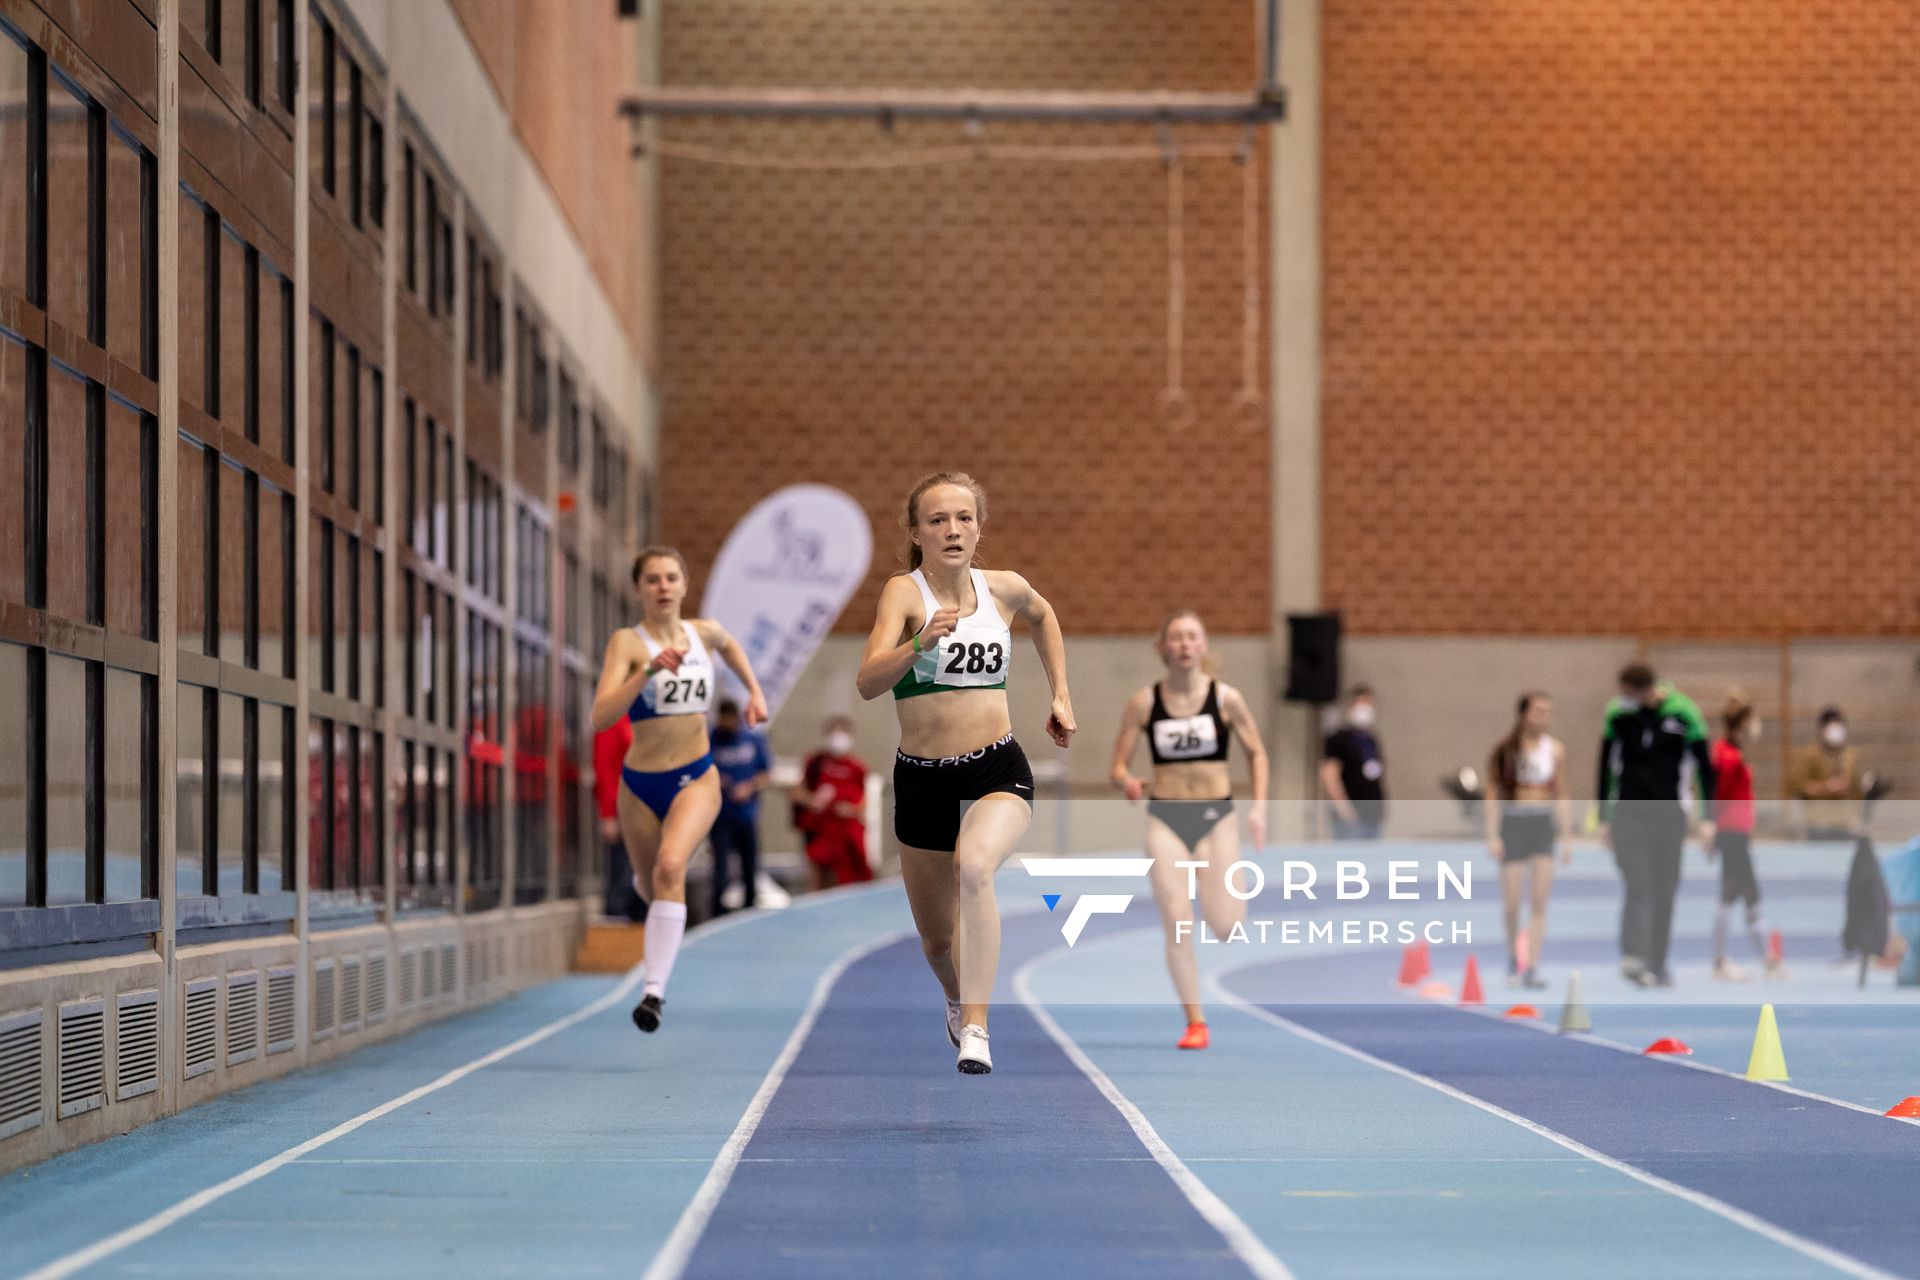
476 965
376 988
409 978
20 1105
429 976
350 993
137 1037
201 1040
449 958
83 1057
281 1023
243 1018
323 1000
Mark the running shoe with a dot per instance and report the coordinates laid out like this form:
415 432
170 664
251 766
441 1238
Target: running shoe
975 1060
1196 1037
953 1022
1532 980
646 1014
1727 971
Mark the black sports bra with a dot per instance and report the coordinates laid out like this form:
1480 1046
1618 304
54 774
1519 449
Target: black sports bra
1186 739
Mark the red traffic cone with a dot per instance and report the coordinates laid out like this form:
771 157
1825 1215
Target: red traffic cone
1776 950
1667 1044
1907 1110
1415 965
1522 1011
1470 992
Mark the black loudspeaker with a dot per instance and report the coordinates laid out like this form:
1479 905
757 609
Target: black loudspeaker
1313 657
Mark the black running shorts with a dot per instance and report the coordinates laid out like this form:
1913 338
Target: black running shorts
929 795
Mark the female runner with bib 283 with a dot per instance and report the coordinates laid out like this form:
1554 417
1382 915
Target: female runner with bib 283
942 642
1190 720
660 675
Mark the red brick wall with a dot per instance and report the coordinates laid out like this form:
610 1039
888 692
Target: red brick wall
860 329
1620 306
558 68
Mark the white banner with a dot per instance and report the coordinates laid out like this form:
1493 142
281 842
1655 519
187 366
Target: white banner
783 577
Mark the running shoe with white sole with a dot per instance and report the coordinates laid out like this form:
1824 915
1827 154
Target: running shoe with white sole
975 1060
953 1022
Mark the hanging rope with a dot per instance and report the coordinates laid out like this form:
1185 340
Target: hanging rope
1248 397
1174 399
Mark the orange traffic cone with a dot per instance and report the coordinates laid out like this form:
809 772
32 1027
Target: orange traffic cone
1470 992
1415 965
1435 990
1907 1110
1667 1044
1776 950
1523 1011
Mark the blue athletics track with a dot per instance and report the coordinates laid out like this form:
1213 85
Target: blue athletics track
799 1115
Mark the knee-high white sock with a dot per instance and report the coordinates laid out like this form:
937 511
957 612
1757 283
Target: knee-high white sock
666 925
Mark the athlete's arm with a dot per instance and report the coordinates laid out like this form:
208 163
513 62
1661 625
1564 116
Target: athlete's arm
728 650
886 658
1132 719
1490 802
621 679
1240 717
1032 608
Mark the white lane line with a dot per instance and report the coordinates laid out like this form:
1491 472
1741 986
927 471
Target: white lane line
1239 1237
1739 1217
106 1247
1675 1060
678 1249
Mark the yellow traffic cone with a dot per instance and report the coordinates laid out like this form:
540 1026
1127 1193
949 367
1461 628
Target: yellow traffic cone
1767 1062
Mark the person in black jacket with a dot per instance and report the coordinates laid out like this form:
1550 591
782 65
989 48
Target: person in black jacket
1652 752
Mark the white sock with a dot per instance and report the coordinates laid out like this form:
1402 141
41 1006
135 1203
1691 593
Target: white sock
666 925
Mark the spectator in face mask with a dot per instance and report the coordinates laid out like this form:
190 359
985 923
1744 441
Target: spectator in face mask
831 804
1827 776
1354 773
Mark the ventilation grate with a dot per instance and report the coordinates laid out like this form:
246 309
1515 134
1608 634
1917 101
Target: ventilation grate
429 976
83 1057
350 993
201 1040
20 1104
476 965
281 1023
449 960
376 988
323 1000
409 978
137 1031
243 1018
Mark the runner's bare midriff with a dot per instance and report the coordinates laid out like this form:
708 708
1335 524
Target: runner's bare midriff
1191 780
953 721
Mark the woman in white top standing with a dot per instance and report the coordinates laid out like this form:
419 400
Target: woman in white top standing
659 674
1190 720
962 789
1527 815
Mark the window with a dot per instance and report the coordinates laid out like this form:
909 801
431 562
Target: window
255 52
376 171
283 53
412 250
323 102
434 264
356 143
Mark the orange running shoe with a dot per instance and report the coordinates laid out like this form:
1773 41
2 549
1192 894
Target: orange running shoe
1196 1037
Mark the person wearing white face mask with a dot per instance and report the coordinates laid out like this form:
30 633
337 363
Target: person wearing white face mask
1354 772
1827 776
832 800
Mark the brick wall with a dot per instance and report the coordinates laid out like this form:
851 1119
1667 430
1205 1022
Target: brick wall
1620 311
558 69
860 329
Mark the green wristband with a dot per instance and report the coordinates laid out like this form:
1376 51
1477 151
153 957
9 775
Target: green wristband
916 643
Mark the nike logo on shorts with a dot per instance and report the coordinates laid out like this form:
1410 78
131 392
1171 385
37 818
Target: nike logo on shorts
1022 786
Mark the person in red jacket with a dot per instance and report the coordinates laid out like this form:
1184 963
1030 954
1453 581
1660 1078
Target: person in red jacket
609 751
831 806
1733 836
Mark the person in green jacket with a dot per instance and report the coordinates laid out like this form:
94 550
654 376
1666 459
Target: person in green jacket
1653 753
